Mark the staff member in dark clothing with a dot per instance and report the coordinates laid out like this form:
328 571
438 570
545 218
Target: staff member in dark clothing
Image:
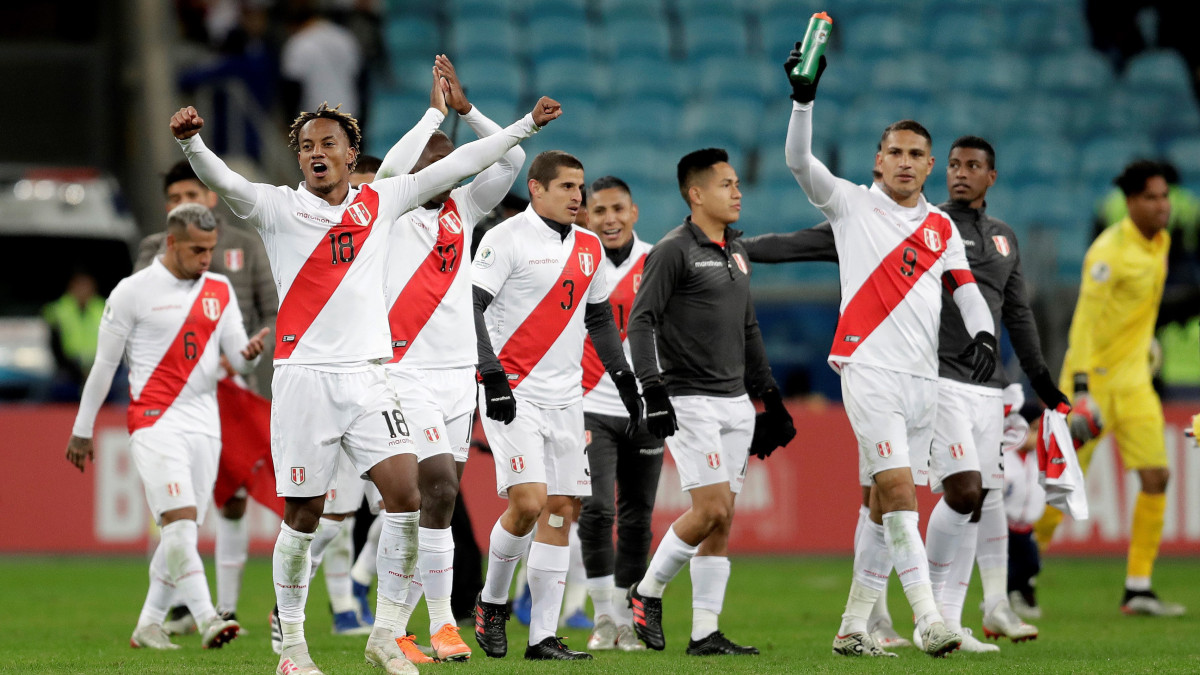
693 311
965 457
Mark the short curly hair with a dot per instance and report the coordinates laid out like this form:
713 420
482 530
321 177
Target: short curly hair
344 120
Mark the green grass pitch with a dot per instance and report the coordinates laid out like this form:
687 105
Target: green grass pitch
74 615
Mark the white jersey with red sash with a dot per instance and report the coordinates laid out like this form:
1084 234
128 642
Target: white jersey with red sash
893 262
329 264
430 313
541 283
599 393
173 330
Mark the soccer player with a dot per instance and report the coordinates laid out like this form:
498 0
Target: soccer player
539 290
631 464
693 315
330 386
1105 368
240 257
895 251
171 322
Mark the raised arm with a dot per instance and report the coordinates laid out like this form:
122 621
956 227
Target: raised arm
237 192
814 178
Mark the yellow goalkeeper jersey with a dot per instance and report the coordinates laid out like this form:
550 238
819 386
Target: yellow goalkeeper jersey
1123 275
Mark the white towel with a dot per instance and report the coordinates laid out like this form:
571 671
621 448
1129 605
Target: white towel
1058 467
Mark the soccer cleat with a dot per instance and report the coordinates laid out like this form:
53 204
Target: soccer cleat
408 647
360 592
151 637
1003 622
347 623
1146 603
553 649
716 644
219 632
230 615
1024 607
858 644
522 607
938 641
276 631
627 640
647 618
449 645
973 645
296 661
383 652
489 627
179 621
577 621
886 637
604 635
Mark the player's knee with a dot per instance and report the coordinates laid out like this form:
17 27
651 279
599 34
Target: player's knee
596 514
965 500
438 496
527 508
715 514
1154 481
234 508
402 501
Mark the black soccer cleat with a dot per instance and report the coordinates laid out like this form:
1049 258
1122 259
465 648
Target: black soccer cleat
553 649
489 628
716 644
647 619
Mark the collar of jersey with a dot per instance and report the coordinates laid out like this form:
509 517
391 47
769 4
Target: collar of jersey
1132 233
730 233
919 211
308 196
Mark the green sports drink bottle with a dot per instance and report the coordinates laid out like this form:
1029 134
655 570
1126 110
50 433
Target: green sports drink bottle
812 48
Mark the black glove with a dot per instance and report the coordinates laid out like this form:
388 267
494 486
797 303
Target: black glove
660 414
982 355
628 389
773 428
1044 387
801 92
501 406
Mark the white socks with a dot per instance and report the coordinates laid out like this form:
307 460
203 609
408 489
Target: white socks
289 569
435 562
187 570
327 530
504 553
909 558
364 568
602 591
547 574
575 595
710 575
670 557
233 544
872 566
622 613
992 550
339 554
158 598
959 579
397 562
944 534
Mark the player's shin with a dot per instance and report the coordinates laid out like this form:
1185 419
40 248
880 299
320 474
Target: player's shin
504 553
958 579
872 566
363 572
710 576
339 554
670 557
547 579
992 550
435 562
290 570
397 562
912 566
187 569
327 531
943 537
232 547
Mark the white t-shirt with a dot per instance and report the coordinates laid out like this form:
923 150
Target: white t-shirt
600 394
541 283
325 59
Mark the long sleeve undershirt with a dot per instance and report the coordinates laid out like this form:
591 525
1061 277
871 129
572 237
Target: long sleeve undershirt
602 328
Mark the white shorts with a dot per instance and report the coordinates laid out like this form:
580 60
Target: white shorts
968 433
177 469
892 414
346 495
440 403
712 444
542 445
373 497
314 414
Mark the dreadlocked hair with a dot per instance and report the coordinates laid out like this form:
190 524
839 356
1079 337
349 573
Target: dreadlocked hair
344 120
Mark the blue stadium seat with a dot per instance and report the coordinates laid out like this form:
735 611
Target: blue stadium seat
721 122
873 112
660 210
1163 70
703 38
1103 158
877 34
1184 153
845 82
635 38
492 79
476 9
556 37
1080 72
631 9
1055 206
1027 160
411 36
730 76
773 125
566 9
1047 28
966 31
951 116
562 78
392 114
995 74
648 166
855 158
781 32
412 75
480 38
646 79
712 10
913 75
651 121
501 107
1046 114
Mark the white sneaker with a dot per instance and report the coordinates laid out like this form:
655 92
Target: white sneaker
973 645
1023 609
1003 622
627 640
383 652
295 661
151 637
938 640
858 644
219 632
604 635
1146 603
886 637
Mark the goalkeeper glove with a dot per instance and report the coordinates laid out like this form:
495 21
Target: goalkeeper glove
1085 422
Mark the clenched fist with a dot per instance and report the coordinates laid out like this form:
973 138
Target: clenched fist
546 109
186 123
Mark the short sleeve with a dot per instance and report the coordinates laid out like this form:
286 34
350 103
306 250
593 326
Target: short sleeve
598 290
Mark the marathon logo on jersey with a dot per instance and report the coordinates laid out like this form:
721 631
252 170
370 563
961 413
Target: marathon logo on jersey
741 263
211 307
173 489
587 264
517 463
451 222
714 459
432 435
235 259
933 239
298 475
884 448
956 450
360 214
1001 242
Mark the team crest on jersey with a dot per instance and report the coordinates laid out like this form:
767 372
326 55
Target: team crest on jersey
885 447
451 222
235 259
587 437
331 495
956 450
173 489
360 214
517 463
1001 242
211 307
432 435
933 239
587 263
637 282
298 475
741 263
714 459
